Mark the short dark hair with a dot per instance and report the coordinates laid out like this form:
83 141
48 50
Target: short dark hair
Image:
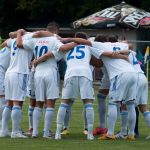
101 38
52 26
81 35
112 38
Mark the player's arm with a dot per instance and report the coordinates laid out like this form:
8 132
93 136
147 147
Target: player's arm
116 56
67 47
19 40
4 44
80 41
123 52
40 34
42 58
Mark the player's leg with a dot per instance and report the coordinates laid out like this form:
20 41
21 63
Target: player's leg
6 115
30 114
87 95
88 106
60 117
16 117
124 122
65 130
36 117
68 92
49 114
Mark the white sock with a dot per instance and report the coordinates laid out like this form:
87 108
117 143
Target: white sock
36 119
60 116
131 118
89 116
67 117
6 115
147 117
30 116
112 117
102 109
2 105
124 122
49 114
16 117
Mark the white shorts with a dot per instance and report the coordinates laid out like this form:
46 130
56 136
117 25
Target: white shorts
46 85
2 77
78 86
123 87
142 89
15 86
105 82
30 86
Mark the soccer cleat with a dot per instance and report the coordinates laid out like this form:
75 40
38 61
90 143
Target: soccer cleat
65 132
29 131
48 135
120 136
130 138
107 137
4 134
90 137
147 138
100 131
85 132
57 136
17 135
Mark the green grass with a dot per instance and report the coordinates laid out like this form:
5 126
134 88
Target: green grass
75 140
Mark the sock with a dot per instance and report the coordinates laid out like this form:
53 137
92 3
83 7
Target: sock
49 114
67 117
6 117
90 117
112 117
85 119
36 119
136 129
102 109
2 105
131 118
16 117
124 122
60 116
147 117
30 116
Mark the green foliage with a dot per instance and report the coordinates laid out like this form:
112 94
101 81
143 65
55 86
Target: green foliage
21 13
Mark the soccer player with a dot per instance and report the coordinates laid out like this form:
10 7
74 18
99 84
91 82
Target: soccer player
4 64
141 96
118 71
46 79
15 84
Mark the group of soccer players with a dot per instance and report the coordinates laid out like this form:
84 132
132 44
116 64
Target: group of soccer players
28 67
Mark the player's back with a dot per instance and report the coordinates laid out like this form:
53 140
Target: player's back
116 66
4 58
42 46
20 57
77 61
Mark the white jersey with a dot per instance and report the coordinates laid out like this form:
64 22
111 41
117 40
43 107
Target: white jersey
114 66
20 58
133 60
40 46
78 62
4 59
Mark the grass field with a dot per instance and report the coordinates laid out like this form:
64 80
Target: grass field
75 140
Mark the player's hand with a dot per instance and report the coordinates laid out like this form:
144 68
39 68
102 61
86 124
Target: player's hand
115 53
35 62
